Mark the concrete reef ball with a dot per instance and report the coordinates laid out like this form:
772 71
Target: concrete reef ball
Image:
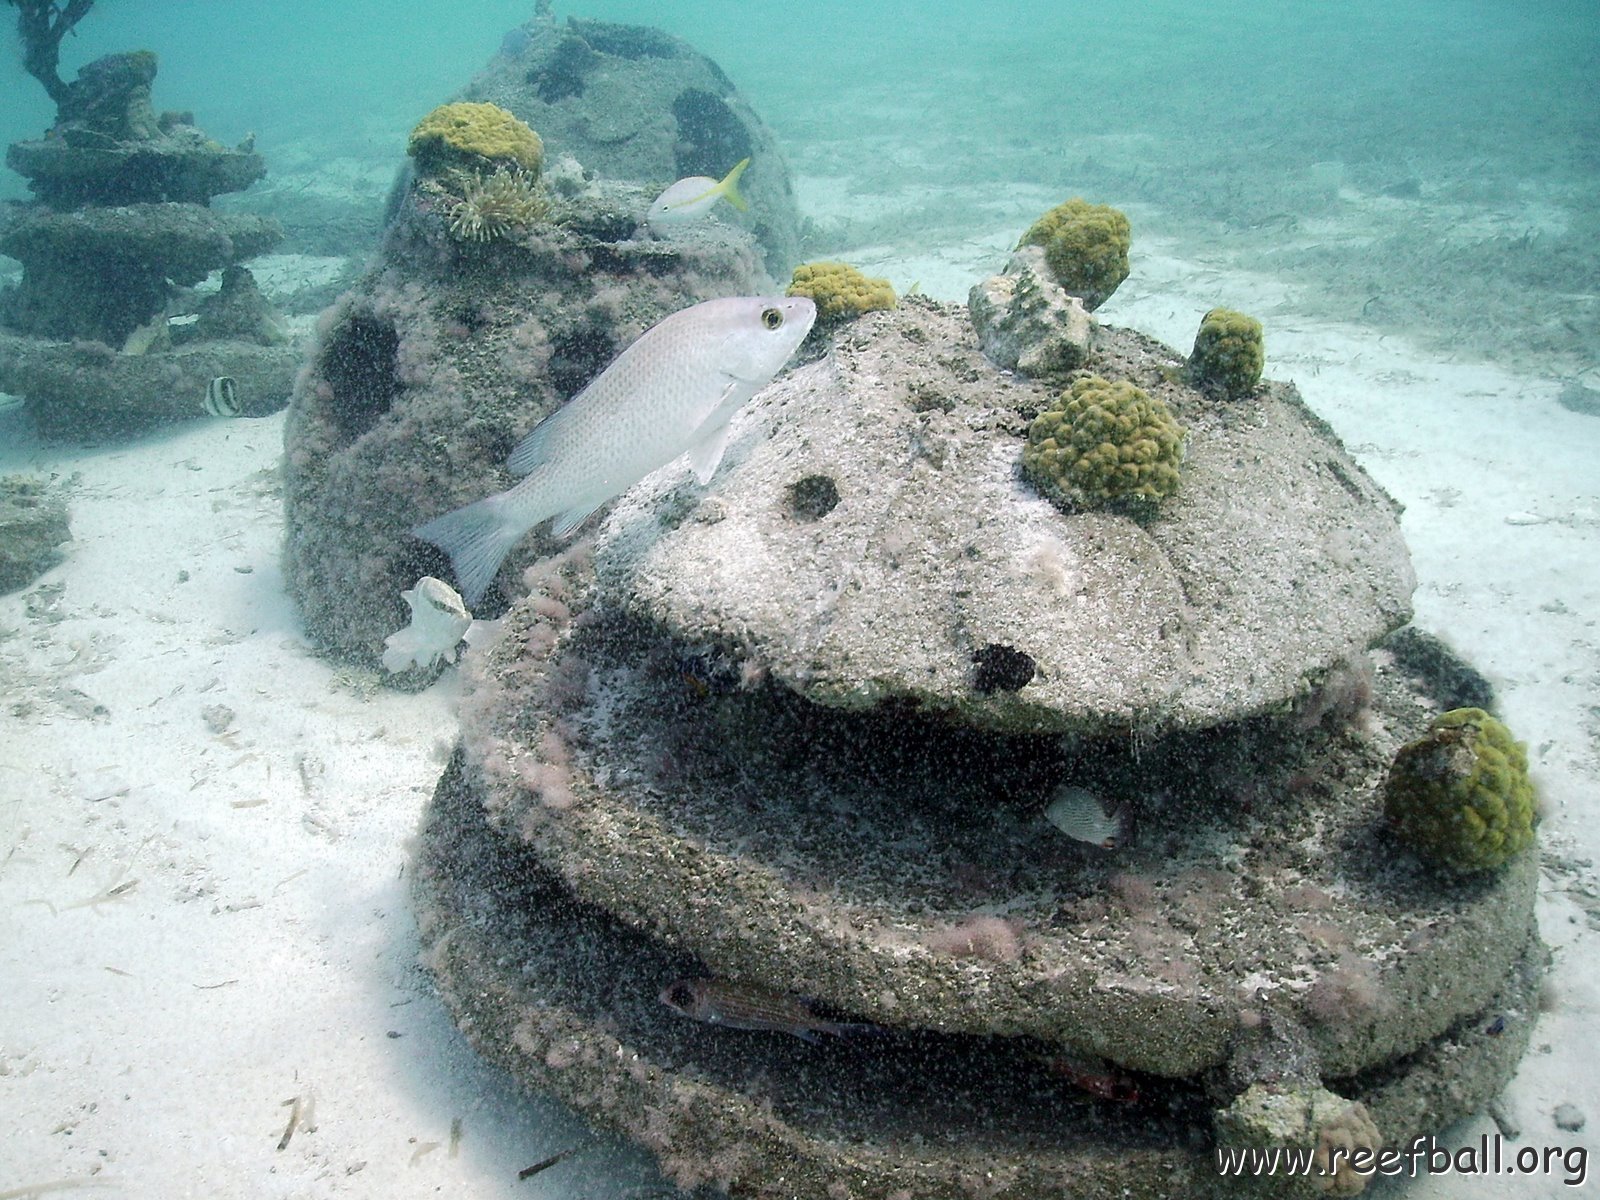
841 292
1229 353
1460 795
468 135
1105 445
1085 247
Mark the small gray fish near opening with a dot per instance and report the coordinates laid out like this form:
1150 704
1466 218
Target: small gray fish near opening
222 397
1078 813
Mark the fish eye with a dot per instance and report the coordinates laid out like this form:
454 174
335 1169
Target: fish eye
679 995
772 318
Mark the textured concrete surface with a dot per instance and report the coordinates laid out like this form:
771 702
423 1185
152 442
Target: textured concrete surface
901 868
1276 558
564 998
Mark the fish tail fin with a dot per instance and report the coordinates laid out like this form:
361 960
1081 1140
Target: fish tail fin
729 187
477 538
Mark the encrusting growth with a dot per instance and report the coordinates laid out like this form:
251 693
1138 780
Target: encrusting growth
1105 445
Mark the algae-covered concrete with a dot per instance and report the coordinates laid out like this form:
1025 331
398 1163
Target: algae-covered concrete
1277 557
901 868
564 998
425 375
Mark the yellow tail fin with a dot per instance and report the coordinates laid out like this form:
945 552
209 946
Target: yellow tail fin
729 187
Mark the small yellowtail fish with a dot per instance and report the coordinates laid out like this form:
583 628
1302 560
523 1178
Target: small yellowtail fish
222 397
690 199
751 1006
1079 814
438 622
672 392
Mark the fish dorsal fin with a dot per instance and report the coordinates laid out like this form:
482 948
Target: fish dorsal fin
705 456
566 522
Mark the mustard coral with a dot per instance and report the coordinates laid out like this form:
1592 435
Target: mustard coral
1229 352
1460 794
1105 445
1085 247
472 135
840 291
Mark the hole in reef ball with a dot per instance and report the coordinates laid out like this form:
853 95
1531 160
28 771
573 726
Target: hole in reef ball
813 497
361 367
1001 669
711 137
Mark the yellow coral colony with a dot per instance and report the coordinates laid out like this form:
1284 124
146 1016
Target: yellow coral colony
474 137
482 164
1105 444
1085 247
840 291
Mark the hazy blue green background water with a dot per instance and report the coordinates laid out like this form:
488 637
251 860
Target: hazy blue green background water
1466 134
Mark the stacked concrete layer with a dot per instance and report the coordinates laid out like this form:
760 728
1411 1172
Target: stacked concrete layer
564 998
1277 557
900 868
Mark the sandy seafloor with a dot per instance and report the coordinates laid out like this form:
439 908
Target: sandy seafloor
203 921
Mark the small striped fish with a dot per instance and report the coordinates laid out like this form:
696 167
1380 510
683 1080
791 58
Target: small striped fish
1079 814
222 397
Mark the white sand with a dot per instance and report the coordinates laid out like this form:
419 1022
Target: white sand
259 946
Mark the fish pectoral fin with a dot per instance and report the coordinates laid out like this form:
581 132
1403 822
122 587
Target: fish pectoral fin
535 449
530 452
566 522
705 456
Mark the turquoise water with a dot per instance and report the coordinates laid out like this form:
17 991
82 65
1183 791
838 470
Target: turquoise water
1473 126
1422 168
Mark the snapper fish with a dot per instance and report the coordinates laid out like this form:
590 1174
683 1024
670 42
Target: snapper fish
690 199
672 392
438 622
1079 814
750 1006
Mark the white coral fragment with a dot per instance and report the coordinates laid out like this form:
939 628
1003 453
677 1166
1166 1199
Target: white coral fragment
438 621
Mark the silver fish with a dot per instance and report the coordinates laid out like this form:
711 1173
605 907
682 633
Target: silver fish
222 397
1079 814
9 402
672 391
751 1006
692 198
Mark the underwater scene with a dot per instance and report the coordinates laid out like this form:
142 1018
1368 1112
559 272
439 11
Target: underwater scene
895 601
